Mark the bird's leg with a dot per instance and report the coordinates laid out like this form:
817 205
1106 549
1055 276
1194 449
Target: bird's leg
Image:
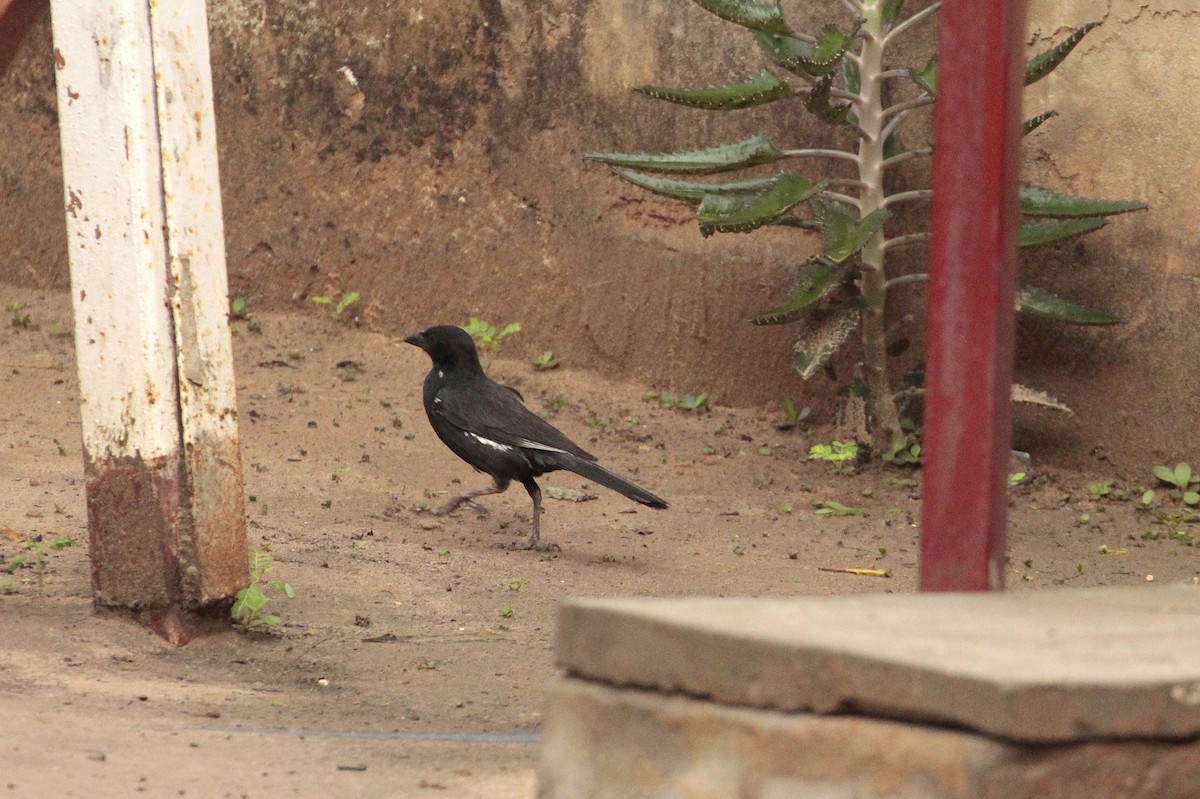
468 497
535 494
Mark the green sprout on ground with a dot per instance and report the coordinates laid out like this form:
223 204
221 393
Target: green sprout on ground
828 507
487 336
237 308
20 316
1183 480
686 402
1015 479
545 361
791 415
35 555
247 610
1099 490
342 304
842 455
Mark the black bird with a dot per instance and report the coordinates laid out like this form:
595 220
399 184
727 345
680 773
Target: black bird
486 425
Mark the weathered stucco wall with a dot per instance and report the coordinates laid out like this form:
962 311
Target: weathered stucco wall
453 185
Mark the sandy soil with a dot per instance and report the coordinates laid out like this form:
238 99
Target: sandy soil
412 660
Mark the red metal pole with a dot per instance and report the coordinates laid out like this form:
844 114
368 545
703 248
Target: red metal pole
969 329
16 18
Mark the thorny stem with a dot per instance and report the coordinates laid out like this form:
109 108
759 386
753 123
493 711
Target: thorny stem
904 156
904 196
923 14
916 277
852 183
908 238
816 153
871 120
854 7
853 202
895 121
908 105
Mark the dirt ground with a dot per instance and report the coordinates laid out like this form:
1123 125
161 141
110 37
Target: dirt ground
412 660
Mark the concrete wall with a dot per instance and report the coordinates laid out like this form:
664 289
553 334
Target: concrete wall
453 185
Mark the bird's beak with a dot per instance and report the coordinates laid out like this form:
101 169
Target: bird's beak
416 339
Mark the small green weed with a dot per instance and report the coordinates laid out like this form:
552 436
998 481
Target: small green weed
247 610
487 336
687 402
345 300
20 316
1015 479
1183 480
842 455
35 555
545 361
827 507
237 308
791 416
551 407
902 452
1100 490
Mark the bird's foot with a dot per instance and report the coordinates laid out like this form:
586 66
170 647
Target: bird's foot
458 502
531 544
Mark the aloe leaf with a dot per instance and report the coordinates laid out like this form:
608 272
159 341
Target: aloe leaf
851 76
1043 64
1037 234
814 280
1034 123
1041 202
892 145
1039 302
891 10
926 77
765 17
817 103
694 191
749 152
741 213
821 337
845 233
755 90
1022 393
801 58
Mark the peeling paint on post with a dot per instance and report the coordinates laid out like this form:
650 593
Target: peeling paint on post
166 514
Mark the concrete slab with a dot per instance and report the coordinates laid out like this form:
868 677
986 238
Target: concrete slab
603 742
1053 666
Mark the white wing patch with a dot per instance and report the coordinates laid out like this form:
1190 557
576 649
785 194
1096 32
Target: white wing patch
487 442
525 442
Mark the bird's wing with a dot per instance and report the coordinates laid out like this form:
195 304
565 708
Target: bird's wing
492 411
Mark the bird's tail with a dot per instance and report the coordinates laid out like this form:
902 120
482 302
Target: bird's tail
598 474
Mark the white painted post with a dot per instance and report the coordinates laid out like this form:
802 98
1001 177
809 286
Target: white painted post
164 482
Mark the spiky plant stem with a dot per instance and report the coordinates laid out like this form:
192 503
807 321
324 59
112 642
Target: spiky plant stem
886 431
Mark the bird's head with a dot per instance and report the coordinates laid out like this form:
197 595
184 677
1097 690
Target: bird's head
448 347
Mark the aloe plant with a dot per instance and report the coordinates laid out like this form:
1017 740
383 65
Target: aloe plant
842 77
